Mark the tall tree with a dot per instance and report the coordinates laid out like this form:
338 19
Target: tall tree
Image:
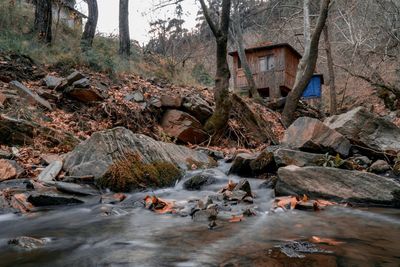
91 24
124 38
238 37
223 102
43 20
306 66
332 87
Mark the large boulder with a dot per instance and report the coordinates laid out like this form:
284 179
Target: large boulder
336 184
248 165
311 135
198 107
367 130
95 155
285 157
183 127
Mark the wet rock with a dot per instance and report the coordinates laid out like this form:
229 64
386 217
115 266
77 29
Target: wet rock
241 164
84 95
29 95
52 81
197 107
76 189
42 200
136 96
367 130
296 249
102 149
183 127
337 184
112 198
48 175
198 181
236 195
244 185
270 183
379 166
215 154
9 169
264 163
171 101
15 132
286 157
27 242
311 135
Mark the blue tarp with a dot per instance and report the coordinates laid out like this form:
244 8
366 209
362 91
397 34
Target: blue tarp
313 89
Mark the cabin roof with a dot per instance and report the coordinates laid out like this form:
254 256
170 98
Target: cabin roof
268 46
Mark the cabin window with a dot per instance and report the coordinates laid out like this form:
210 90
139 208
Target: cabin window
239 63
267 63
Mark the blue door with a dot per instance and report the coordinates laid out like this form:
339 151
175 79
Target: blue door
313 89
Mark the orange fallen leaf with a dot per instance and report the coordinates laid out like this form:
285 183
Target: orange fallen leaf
305 198
159 205
236 218
293 203
286 202
329 241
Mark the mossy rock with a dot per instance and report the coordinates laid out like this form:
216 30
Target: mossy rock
131 173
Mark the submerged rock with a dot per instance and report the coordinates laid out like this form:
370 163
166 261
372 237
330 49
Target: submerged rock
311 135
367 130
27 242
198 181
336 184
41 200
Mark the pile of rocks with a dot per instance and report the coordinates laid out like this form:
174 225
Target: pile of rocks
349 157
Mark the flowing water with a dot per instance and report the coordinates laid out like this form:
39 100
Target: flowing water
80 236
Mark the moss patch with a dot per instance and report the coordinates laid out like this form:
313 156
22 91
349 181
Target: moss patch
130 173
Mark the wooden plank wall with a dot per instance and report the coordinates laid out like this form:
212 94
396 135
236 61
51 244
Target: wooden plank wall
272 79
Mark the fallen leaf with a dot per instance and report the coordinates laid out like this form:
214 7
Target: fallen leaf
305 198
236 218
329 241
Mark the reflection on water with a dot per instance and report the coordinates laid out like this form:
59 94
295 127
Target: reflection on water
81 237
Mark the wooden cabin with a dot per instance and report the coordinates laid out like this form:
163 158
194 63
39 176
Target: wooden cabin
273 66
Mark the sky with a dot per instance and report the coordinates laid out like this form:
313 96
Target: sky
141 12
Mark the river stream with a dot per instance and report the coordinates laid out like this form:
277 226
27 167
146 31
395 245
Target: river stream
134 236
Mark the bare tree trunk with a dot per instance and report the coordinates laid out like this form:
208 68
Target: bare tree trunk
91 24
223 103
43 20
124 38
303 77
332 87
253 92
